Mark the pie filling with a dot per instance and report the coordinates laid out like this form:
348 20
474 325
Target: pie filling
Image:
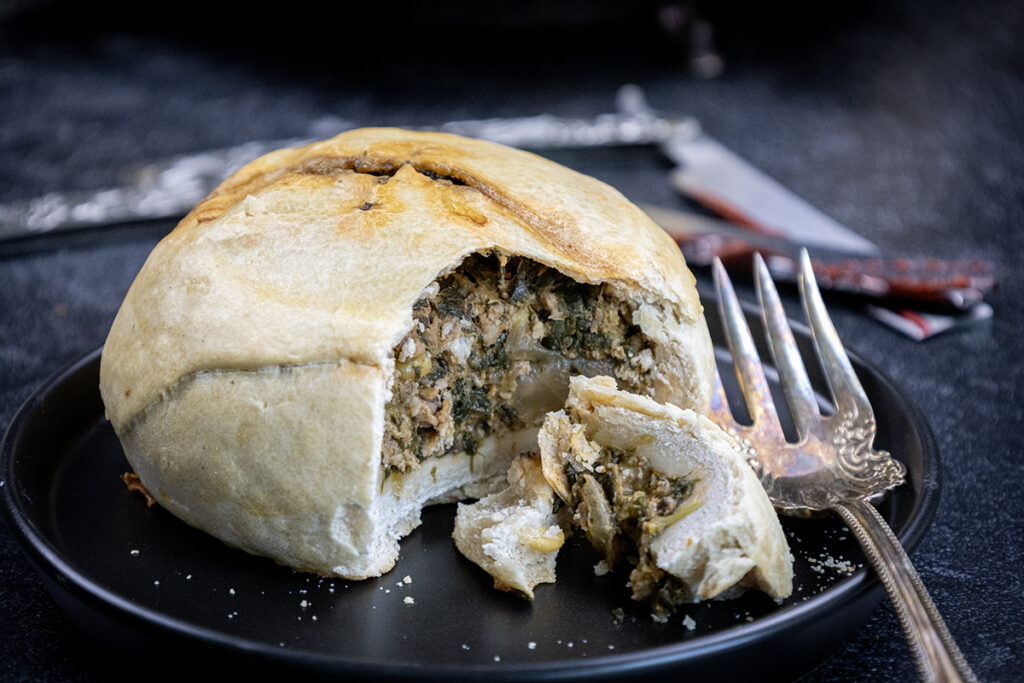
623 504
491 351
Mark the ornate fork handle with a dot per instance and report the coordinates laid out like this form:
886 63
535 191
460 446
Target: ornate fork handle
835 465
935 652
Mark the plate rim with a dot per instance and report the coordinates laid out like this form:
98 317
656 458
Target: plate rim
61 574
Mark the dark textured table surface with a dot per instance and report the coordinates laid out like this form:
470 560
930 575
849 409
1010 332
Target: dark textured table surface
906 123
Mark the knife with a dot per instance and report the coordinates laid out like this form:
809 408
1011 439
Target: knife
937 284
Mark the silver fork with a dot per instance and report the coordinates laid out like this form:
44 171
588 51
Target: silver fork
832 465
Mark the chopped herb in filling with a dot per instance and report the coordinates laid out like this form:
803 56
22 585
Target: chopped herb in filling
622 504
492 347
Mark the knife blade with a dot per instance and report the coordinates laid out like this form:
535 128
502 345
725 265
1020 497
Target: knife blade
162 189
717 178
938 284
545 131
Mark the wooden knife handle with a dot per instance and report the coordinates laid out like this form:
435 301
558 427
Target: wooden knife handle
935 283
958 283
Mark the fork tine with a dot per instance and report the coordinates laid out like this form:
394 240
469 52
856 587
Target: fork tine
720 410
749 371
847 392
803 406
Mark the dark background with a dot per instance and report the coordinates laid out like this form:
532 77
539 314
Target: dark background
905 121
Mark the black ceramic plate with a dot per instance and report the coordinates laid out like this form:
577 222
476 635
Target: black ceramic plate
140 581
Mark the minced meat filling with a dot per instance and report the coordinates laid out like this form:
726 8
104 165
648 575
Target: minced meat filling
492 347
622 504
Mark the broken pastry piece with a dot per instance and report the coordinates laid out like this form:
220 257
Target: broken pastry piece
660 488
666 490
515 534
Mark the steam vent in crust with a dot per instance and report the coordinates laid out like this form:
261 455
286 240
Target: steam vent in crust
343 333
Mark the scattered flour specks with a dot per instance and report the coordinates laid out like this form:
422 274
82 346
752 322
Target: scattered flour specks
827 562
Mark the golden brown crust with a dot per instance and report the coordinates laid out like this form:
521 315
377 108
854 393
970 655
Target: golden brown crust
313 257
